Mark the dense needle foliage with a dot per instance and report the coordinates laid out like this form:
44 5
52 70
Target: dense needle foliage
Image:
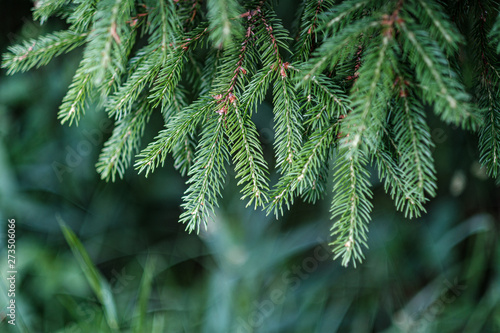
351 84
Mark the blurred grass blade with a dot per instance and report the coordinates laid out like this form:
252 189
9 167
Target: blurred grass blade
144 293
97 282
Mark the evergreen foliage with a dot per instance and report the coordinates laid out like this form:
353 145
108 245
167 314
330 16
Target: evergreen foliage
352 82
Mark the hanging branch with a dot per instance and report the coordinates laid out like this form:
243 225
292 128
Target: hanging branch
355 86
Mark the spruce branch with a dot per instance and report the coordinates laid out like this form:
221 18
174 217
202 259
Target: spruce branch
371 93
225 22
40 51
268 44
325 105
84 88
257 88
107 47
309 22
318 187
82 16
189 13
405 198
440 83
329 94
80 92
184 122
164 26
350 207
324 100
304 173
433 16
343 13
288 129
145 69
489 135
207 175
183 153
104 58
164 30
340 47
123 143
170 74
43 9
249 161
414 142
486 93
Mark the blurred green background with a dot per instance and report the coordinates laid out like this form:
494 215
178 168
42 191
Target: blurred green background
248 272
